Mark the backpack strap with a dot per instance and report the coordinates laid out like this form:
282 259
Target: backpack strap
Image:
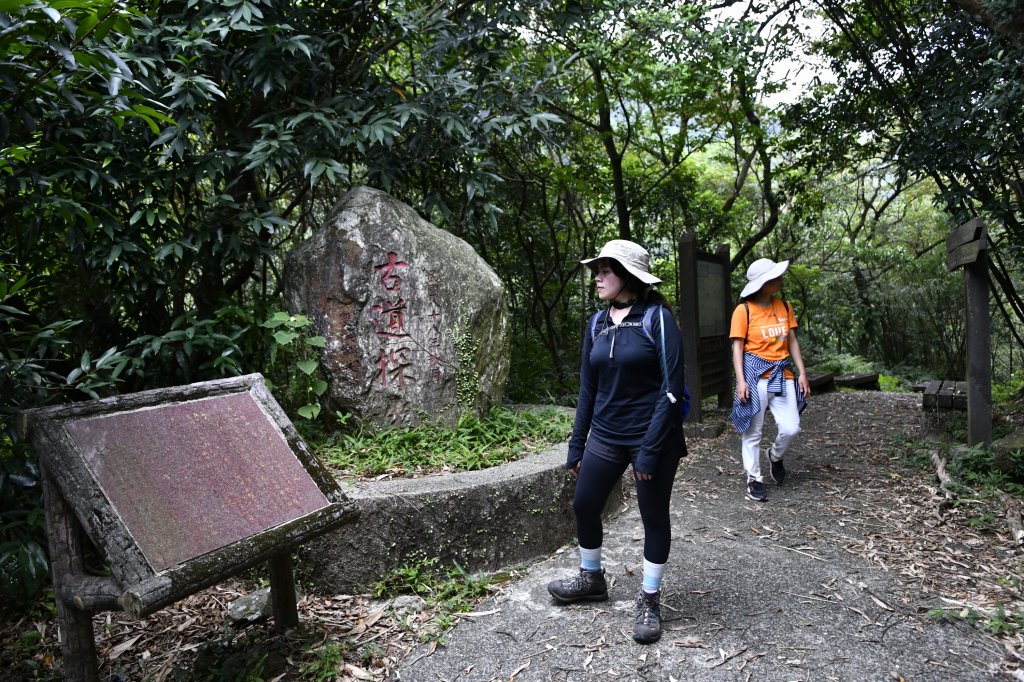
593 325
647 321
746 335
664 363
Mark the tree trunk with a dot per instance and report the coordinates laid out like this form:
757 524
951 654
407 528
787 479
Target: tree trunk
615 155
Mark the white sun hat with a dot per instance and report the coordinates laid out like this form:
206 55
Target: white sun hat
633 257
761 271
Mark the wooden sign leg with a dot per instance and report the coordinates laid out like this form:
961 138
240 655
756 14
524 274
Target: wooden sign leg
979 363
689 322
63 532
282 592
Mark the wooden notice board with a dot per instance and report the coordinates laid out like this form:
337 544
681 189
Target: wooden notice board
191 478
182 487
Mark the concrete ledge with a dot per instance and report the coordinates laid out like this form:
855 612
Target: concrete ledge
483 520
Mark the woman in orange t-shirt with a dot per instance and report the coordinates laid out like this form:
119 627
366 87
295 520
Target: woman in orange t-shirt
764 351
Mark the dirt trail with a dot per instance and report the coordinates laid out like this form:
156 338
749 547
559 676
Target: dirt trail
837 577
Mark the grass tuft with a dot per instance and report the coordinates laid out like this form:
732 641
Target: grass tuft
503 436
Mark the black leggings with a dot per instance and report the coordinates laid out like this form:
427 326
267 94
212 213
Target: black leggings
596 479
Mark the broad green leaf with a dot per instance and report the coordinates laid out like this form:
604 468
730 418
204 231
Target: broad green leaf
283 338
309 411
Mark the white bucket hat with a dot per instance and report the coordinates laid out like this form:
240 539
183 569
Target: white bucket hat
633 257
761 271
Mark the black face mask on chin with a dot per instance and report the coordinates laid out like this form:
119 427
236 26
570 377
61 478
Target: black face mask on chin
619 305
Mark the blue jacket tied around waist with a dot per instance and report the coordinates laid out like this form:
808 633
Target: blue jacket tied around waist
754 368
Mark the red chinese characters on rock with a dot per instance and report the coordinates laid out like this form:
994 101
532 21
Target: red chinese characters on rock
434 346
390 280
394 365
390 320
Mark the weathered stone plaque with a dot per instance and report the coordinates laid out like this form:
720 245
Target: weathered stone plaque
185 486
194 477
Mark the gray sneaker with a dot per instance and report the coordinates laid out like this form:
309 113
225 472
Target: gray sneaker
756 491
776 471
647 623
586 586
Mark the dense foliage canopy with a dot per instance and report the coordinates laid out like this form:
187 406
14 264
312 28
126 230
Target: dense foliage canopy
158 159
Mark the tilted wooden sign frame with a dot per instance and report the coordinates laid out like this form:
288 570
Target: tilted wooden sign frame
179 489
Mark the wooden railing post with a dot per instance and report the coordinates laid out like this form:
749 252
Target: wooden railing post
64 536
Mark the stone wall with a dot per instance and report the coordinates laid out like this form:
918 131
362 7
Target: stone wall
483 520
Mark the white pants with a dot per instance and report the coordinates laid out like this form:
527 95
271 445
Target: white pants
787 418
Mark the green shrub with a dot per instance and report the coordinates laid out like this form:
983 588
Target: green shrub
449 590
1008 388
39 365
504 435
893 384
844 363
24 568
293 368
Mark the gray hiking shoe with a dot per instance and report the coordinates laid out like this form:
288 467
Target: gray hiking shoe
586 586
756 491
647 624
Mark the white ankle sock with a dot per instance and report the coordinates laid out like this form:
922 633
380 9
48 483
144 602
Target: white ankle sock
590 559
652 576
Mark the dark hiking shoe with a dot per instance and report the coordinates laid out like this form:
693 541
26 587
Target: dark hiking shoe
587 586
756 491
776 471
647 624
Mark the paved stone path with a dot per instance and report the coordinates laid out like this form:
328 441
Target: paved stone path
779 591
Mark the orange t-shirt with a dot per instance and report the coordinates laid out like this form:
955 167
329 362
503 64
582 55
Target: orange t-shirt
767 333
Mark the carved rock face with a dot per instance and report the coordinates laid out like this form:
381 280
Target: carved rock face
415 321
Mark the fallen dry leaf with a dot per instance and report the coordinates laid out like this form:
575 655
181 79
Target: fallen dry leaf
518 670
881 603
123 647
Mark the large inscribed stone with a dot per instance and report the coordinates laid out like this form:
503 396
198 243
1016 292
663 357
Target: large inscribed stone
415 321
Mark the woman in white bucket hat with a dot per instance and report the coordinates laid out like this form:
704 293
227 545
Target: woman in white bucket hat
630 374
764 351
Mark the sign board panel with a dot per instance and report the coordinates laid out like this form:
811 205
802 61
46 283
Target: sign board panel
711 278
970 231
965 254
965 243
190 478
182 487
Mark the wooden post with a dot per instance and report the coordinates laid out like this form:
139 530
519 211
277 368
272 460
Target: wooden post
725 396
979 359
64 533
967 248
690 321
282 592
